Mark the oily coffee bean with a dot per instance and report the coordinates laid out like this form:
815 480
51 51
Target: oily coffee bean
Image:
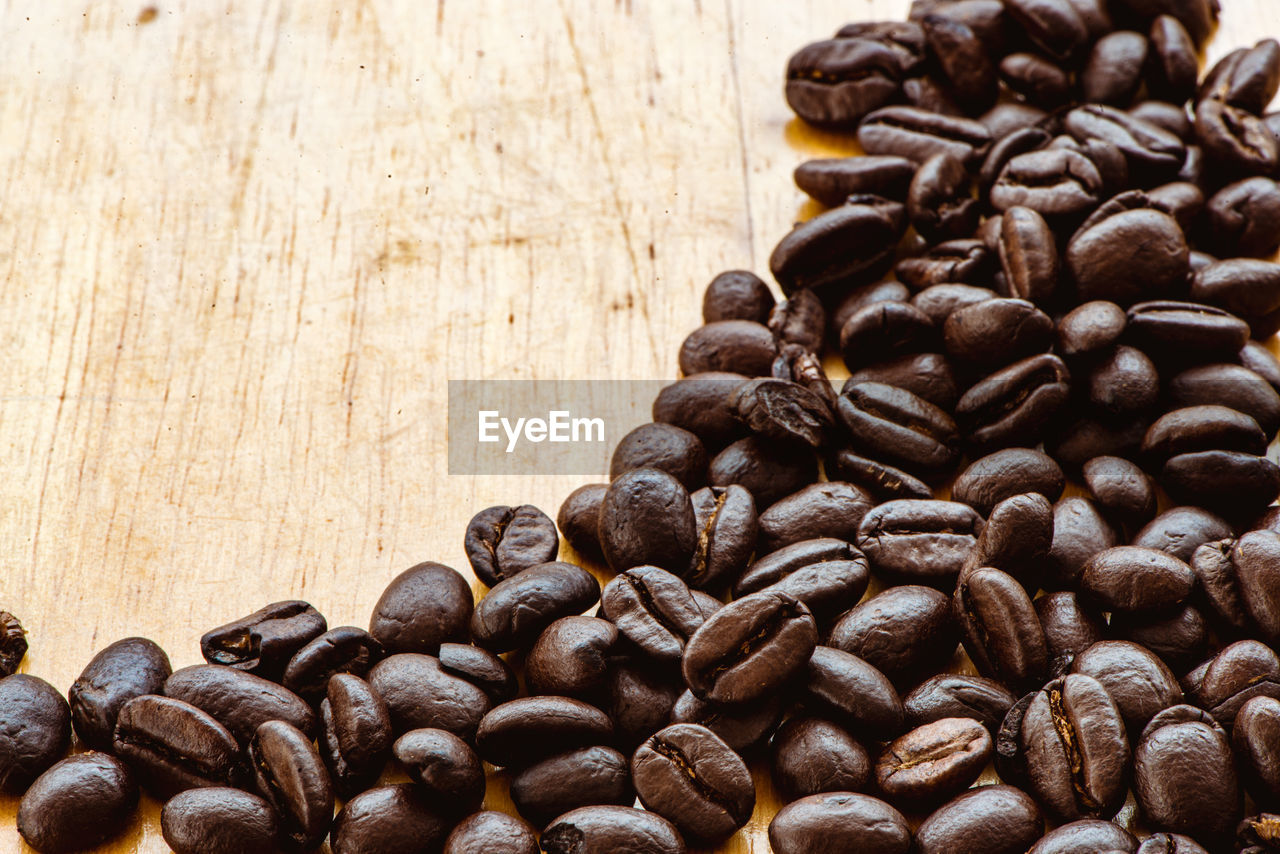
1129 257
1246 287
1181 332
727 527
905 37
1174 68
826 574
1114 69
832 180
1233 386
639 505
660 446
997 332
1090 329
1069 628
1036 79
953 695
1239 672
1002 474
883 481
481 668
1121 490
583 777
1087 834
783 411
201 821
420 693
903 429
1228 481
1179 637
173 746
749 648
933 762
605 829
1237 578
963 59
1058 28
686 774
939 202
735 295
1182 199
1059 184
742 727
884 330
812 755
517 610
240 701
1028 254
837 82
35 730
939 301
1079 533
651 607
1234 141
569 658
1154 155
263 642
639 699
1184 777
1020 141
767 470
985 820
886 290
1124 384
926 375
1014 405
699 403
346 649
1173 118
1075 441
1246 77
520 732
1254 738
829 509
904 632
1179 531
1000 629
579 520
803 367
13 644
355 733
445 766
288 773
502 541
421 608
492 832
964 261
78 803
1138 682
125 669
844 246
1010 759
919 134
919 540
1243 218
839 823
846 688
738 346
1132 578
800 320
388 818
1016 537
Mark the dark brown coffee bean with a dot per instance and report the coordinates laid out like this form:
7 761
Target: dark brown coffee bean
1010 758
445 766
346 649
1228 481
355 734
1153 154
1124 384
1069 628
1036 79
883 481
964 261
749 648
905 632
77 804
1239 672
742 727
517 610
421 608
739 346
736 295
1075 441
926 375
13 644
579 519
812 755
844 246
1179 531
1016 537
1028 254
1254 738
1003 474
800 319
1246 287
492 832
963 59
420 693
126 669
205 821
1113 71
1184 777
1138 681
939 301
481 668
605 829
1059 184
583 777
288 773
727 527
826 574
940 202
886 290
766 469
1182 199
523 731
638 697
651 607
1121 489
905 37
847 689
686 774
1131 578
569 658
840 823
1087 834
388 818
1180 638
837 82
1174 119
1181 332
833 180
1154 265
997 332
831 509
1246 584
985 820
503 541
884 330
1244 216
918 135
240 701
1090 329
1079 533
782 411
900 427
263 642
1000 629
173 746
1174 68
1056 27
1227 385
660 446
1246 77
919 540
949 695
1235 142
933 762
701 404
1170 843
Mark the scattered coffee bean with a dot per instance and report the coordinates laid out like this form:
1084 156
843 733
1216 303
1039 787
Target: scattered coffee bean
78 803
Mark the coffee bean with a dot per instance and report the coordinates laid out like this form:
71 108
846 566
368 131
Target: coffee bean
899 427
173 746
263 642
1235 141
1170 843
939 202
586 776
1059 184
846 688
841 823
1019 141
1174 67
445 766
744 727
736 295
346 649
919 134
1132 578
13 644
421 608
652 608
503 541
35 730
1227 481
123 670
1128 257
523 731
1016 538
1254 738
884 330
904 632
727 527
883 481
826 574
1075 441
1180 637
811 755
1121 489
803 367
686 774
845 246
1246 287
886 290
1028 254
927 375
988 819
953 695
906 38
739 346
388 818
355 734
517 610
998 332
420 693
1179 531
660 446
1173 118
1069 628
1184 778
481 668
1257 833
784 411
1002 474
579 520
202 821
1245 77
1154 155
491 832
1090 329
1010 758
801 320
933 762
837 82
1138 682
638 697
833 180
1000 628
1087 834
1244 216
240 701
569 658
919 540
939 301
1014 405
1239 672
1227 385
1123 385
766 469
605 829
78 803
288 773
1114 69
1183 200
700 403
963 261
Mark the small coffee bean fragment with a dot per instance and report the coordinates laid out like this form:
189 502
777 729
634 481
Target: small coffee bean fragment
13 644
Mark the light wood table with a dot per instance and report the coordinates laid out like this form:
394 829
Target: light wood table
245 245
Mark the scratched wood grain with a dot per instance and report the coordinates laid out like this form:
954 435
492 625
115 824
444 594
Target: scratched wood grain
245 245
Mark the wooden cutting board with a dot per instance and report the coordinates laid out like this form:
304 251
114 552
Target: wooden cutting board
245 245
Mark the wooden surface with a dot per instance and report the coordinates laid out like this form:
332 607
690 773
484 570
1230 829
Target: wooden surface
245 245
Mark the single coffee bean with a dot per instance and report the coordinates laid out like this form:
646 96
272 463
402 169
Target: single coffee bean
727 527
1235 141
638 505
1239 672
1179 531
173 746
1243 218
742 727
1114 69
1174 68
933 762
445 766
1182 332
919 134
1128 257
965 261
1184 777
202 821
240 701
919 540
826 574
125 669
638 697
886 290
1182 199
492 832
904 632
1087 834
1016 538
1028 254
1014 405
812 755
837 82
569 658
1059 184
963 59
288 773
1000 629
1237 578
660 446
1254 739
1123 385
739 346
1002 474
953 695
517 610
884 330
502 541
421 608
1079 533
1233 386
701 404
346 649
1069 628
1170 843
991 334
1022 140
1090 329
686 774
988 819
736 295
883 481
927 375
800 320
35 730
1140 683
939 202
846 688
587 776
905 37
78 803
840 823
903 429
355 734
653 609
13 644
832 180
481 668
1154 155
263 642
1227 481
579 520
1132 578
388 818
420 693
766 469
523 731
749 648
1180 637
939 301
1121 489
830 509
843 247
1246 77
1076 440
1036 79
605 829
783 411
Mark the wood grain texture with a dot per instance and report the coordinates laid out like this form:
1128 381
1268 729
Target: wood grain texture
245 245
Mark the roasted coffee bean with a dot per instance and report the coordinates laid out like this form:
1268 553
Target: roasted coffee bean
421 608
735 295
1179 531
1227 385
963 59
1254 738
173 746
1182 199
78 803
523 731
1138 682
1244 217
569 658
883 481
812 755
837 82
1235 142
900 427
126 669
1000 628
1003 474
1239 672
739 346
1020 141
1090 329
420 693
905 37
481 668
1184 778
1179 637
1228 481
288 773
1181 332
950 695
1036 79
964 261
1059 184
263 642
1087 834
346 649
699 403
830 509
905 632
844 246
1128 257
1079 533
355 733
1028 254
638 697
919 134
240 701
783 411
846 688
1154 155
1010 759
388 818
749 648
933 762
660 446
940 202
919 540
492 832
1069 628
517 610
1124 384
764 468
939 301
1246 287
1121 489
994 333
579 519
826 574
13 644
1246 77
583 777
742 727
605 829
1132 578
926 375
839 823
1170 843
35 730
1237 579
1073 442
803 367
883 330
985 820
886 290
686 774
1173 118
801 320
1014 405
1174 66
1114 69
1016 538
833 180
503 541
651 607
202 821
727 527
445 766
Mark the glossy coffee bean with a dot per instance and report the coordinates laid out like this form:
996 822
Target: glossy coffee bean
503 541
1179 637
481 668
205 821
1233 386
653 609
1153 154
919 540
686 774
1028 254
263 642
919 134
1079 533
904 632
491 832
1014 405
355 734
1235 141
927 375
1139 682
35 730
843 247
767 470
847 689
665 447
826 574
832 180
586 776
1000 628
1123 385
78 803
1243 217
1239 672
1184 777
517 610
837 82
1180 332
1002 474
1174 68
964 261
604 829
1016 538
736 295
579 520
1069 628
1227 481
988 819
951 695
883 481
991 334
1035 78
939 202
172 746
743 727
1132 578
388 818
840 823
419 693
288 773
831 509
781 410
933 762
240 701
899 427
727 526
346 649
738 346
1237 578
638 505
1121 490
1246 287
811 755
1075 441
939 301
569 658
1179 531
700 403
421 608
1254 739
523 731
123 670
1060 185
884 330
1087 834
638 698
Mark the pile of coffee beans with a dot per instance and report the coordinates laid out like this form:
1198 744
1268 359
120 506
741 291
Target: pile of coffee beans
1051 264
